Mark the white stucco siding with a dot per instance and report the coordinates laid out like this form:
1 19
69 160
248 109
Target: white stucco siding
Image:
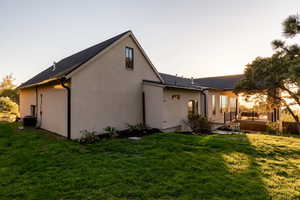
52 109
105 93
153 105
176 110
27 98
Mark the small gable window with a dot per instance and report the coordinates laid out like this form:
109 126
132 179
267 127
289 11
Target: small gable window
129 57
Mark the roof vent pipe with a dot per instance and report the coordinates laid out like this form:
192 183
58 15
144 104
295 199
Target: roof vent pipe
54 66
192 80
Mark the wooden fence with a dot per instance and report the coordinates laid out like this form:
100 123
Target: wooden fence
290 127
252 125
287 127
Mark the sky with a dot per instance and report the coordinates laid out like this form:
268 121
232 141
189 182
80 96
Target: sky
196 38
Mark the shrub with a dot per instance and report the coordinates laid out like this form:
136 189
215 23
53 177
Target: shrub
12 94
273 128
137 127
137 130
198 124
110 132
8 106
233 127
88 137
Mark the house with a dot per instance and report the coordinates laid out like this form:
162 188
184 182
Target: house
217 100
114 84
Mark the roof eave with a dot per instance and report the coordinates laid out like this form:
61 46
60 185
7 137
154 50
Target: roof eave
185 88
38 84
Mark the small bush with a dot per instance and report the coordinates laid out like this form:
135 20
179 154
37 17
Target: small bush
88 137
198 124
137 130
137 127
233 128
273 128
110 132
8 106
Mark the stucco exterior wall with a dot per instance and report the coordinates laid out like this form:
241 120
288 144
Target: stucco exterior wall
176 110
105 93
51 107
153 105
27 98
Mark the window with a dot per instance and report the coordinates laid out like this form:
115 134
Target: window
175 97
232 104
213 104
32 110
193 107
129 58
223 103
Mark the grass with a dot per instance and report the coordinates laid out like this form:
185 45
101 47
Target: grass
35 165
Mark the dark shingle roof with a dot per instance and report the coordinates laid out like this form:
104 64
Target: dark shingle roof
220 82
179 82
68 64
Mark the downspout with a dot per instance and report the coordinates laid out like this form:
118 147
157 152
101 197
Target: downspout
204 95
36 102
38 117
62 82
144 108
236 107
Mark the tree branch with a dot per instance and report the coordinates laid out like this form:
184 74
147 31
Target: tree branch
293 95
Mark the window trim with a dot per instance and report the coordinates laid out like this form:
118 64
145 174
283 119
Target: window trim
195 107
232 100
214 105
127 56
226 103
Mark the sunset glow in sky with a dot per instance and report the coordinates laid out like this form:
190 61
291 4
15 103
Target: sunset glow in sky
192 38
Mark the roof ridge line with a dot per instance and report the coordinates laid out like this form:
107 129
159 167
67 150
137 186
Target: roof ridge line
220 76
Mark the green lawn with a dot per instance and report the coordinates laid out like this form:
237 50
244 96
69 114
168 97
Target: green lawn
35 165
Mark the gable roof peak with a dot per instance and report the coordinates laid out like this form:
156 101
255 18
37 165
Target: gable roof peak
72 62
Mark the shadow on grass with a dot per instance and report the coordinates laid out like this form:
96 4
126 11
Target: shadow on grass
237 162
188 167
160 166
